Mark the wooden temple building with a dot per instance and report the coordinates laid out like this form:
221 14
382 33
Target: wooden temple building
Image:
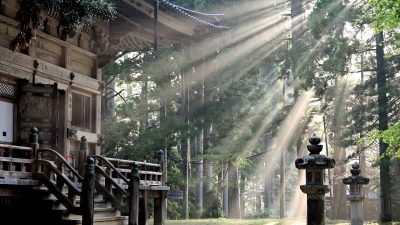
50 115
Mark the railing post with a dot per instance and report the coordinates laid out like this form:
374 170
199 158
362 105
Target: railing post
34 142
83 154
161 203
88 189
355 196
161 161
134 196
314 164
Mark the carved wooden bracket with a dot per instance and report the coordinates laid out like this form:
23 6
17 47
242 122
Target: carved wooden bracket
100 139
102 87
71 133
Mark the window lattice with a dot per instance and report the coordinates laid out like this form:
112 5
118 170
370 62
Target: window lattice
7 90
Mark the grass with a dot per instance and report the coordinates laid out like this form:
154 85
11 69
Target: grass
298 221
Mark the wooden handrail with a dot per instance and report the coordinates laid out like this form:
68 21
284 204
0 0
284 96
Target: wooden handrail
15 147
131 162
64 162
115 184
111 166
67 181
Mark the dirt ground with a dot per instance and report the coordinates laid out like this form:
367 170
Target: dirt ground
297 221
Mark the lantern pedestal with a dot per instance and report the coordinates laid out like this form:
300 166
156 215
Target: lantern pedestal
356 197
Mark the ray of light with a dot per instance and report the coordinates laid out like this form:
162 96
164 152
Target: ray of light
282 139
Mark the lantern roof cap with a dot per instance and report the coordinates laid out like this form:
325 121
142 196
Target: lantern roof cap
355 177
314 159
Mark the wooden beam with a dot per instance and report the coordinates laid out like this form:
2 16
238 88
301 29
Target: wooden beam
22 66
10 21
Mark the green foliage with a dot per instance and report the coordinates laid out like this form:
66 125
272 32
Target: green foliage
212 205
390 136
72 14
174 210
387 14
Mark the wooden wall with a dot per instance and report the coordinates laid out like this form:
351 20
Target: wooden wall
58 61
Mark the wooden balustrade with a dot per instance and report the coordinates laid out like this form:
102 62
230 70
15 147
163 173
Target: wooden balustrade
150 174
15 163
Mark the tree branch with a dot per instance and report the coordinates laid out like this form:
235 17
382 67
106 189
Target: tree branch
117 94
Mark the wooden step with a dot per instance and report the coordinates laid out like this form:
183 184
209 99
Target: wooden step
98 213
111 220
99 202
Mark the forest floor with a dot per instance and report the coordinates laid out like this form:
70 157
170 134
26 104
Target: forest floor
260 222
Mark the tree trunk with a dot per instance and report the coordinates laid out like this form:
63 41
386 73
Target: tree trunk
199 171
385 179
200 147
144 120
185 142
297 29
208 166
233 192
225 192
282 193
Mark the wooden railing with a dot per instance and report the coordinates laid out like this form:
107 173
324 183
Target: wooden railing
15 162
112 187
150 174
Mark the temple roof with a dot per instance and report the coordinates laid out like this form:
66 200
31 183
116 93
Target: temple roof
134 26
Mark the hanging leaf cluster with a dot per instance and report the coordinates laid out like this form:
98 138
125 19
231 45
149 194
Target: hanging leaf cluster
71 14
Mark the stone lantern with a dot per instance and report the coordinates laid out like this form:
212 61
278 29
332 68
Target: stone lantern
355 196
315 187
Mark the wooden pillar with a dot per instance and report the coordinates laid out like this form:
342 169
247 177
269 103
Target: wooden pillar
88 189
143 205
162 160
83 153
34 143
134 196
159 212
66 57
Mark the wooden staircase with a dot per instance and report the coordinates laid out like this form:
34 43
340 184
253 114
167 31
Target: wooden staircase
45 178
104 214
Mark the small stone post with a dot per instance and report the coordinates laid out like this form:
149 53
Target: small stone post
356 197
315 164
88 189
134 196
83 154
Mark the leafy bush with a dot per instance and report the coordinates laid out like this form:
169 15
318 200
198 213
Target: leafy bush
212 205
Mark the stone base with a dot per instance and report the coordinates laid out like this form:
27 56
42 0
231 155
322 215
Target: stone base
356 222
315 210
